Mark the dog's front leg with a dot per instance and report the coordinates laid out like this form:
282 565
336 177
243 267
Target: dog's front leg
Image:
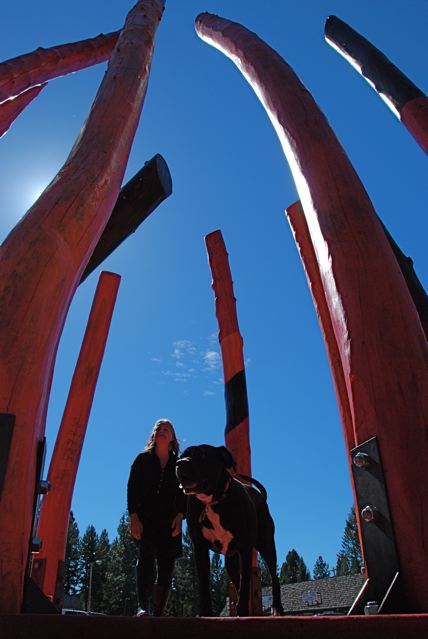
202 559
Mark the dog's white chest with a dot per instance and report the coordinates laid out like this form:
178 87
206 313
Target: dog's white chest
218 536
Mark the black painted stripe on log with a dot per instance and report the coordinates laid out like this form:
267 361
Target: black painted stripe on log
375 66
7 422
235 392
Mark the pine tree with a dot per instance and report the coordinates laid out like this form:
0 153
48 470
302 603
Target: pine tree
293 569
219 584
89 557
184 598
321 569
349 559
265 576
120 592
72 580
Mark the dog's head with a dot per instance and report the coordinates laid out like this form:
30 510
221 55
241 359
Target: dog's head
204 470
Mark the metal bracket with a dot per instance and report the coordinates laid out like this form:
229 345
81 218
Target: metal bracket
380 554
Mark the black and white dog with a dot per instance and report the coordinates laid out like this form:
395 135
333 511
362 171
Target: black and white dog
228 517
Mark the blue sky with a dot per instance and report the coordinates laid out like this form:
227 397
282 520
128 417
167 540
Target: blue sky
229 173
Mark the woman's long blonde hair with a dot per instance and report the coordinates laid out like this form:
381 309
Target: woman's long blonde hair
174 445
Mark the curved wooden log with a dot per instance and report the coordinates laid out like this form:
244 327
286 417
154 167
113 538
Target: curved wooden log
381 342
299 228
10 109
237 431
41 263
137 200
403 97
29 69
56 504
302 237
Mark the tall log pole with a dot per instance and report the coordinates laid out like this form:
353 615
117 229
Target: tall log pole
10 109
56 504
237 431
381 342
41 65
137 200
41 263
403 97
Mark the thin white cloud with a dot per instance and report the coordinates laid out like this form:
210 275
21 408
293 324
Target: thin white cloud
208 393
156 359
212 360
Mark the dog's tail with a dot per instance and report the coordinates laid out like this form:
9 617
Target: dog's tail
253 481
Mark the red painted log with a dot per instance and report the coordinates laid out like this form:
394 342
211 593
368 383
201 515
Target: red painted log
403 97
237 433
381 342
55 507
41 65
137 200
10 109
299 227
41 263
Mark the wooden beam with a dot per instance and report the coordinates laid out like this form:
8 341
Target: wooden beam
41 65
137 200
382 346
402 96
41 263
56 504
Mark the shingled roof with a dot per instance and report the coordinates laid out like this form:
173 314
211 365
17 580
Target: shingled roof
319 596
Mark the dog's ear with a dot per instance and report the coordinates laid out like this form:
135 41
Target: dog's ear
227 457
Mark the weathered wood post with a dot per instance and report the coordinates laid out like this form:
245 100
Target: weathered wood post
41 263
48 569
237 431
403 97
381 343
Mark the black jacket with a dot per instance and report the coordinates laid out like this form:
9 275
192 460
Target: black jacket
154 493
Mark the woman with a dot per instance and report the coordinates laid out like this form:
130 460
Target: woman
156 509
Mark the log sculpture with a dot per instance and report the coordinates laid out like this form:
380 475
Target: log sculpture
41 264
11 108
55 507
237 431
27 70
381 343
403 97
137 200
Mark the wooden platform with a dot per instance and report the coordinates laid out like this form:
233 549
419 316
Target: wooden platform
86 627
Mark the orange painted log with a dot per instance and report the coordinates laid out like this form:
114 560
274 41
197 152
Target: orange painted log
381 342
403 97
10 109
237 431
55 507
29 69
41 263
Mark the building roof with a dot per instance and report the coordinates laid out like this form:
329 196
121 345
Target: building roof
315 596
318 596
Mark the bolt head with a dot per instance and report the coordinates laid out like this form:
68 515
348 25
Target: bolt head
368 513
361 460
